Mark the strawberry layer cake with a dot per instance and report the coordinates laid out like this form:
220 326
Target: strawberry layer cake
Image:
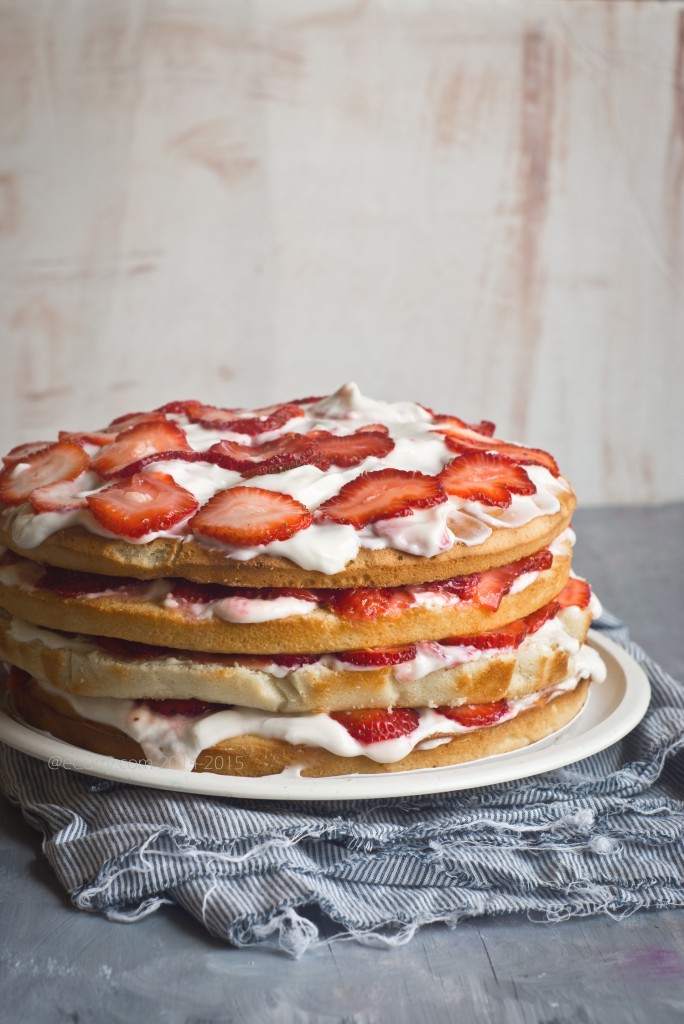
326 586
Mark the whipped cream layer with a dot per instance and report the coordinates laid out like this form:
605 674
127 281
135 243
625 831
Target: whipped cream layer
176 741
429 656
325 547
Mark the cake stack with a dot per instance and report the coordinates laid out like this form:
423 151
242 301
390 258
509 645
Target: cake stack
327 586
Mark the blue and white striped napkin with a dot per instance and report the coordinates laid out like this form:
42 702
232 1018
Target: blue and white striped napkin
602 836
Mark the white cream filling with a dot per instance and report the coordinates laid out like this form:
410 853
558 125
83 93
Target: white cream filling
431 656
327 548
26 575
175 741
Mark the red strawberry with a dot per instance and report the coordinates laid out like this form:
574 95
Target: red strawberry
311 400
494 584
17 679
185 455
285 452
178 408
132 419
364 604
373 428
188 592
350 449
378 657
260 422
61 497
69 583
474 715
96 437
453 425
470 441
383 494
575 593
190 707
449 424
129 649
462 587
483 427
140 444
61 461
293 661
144 503
250 516
373 725
511 635
23 451
538 562
535 620
491 479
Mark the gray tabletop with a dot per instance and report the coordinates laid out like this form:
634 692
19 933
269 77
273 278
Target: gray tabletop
58 964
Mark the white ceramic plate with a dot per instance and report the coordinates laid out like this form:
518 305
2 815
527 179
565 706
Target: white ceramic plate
612 709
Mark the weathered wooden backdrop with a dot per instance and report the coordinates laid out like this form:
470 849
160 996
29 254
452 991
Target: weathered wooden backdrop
478 204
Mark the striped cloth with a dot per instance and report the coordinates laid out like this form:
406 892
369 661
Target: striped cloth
602 836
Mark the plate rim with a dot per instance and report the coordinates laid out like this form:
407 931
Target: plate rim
547 754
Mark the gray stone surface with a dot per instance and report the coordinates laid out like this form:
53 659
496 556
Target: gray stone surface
58 964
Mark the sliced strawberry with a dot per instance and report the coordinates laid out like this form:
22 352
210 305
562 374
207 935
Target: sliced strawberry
378 657
373 428
540 561
449 424
365 604
178 408
350 449
17 679
96 437
144 503
250 516
61 497
260 422
490 479
131 650
511 635
469 441
132 419
452 424
494 584
286 452
575 593
310 400
140 444
23 452
54 464
374 725
70 583
535 620
189 708
483 427
184 455
475 715
189 592
383 494
462 587
294 661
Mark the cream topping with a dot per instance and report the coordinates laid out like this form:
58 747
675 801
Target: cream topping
327 548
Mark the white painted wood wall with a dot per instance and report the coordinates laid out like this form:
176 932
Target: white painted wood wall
478 204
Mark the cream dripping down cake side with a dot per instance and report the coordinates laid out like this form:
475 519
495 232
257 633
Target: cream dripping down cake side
326 586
